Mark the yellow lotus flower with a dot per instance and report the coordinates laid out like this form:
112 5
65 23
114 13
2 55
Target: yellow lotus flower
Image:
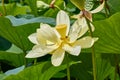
60 39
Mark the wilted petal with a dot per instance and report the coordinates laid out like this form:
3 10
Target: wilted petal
85 42
33 38
48 33
63 18
73 50
88 15
99 8
58 57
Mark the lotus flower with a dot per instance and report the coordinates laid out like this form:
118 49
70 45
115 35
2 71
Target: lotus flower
59 39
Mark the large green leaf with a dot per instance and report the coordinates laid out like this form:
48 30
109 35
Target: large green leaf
18 31
33 6
15 9
82 71
4 44
114 5
14 56
42 71
108 32
21 21
104 65
15 59
2 76
17 35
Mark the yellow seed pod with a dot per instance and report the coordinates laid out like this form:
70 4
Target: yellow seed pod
79 3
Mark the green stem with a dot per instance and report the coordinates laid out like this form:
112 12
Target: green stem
21 1
68 70
57 7
93 51
0 68
25 61
9 1
116 66
35 61
4 9
106 11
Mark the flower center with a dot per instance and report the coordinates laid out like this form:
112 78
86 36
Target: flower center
61 29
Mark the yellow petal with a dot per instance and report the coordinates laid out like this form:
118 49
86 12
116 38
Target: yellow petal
62 30
48 33
63 18
33 38
73 50
85 42
58 57
99 8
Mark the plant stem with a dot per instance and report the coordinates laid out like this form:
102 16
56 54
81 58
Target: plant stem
57 7
68 70
25 61
35 61
0 68
4 9
106 12
93 51
21 1
116 66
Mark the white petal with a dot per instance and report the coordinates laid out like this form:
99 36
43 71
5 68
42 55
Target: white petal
42 41
33 38
84 27
73 50
99 8
73 36
63 18
79 27
95 39
48 33
74 31
58 57
85 42
92 27
35 52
